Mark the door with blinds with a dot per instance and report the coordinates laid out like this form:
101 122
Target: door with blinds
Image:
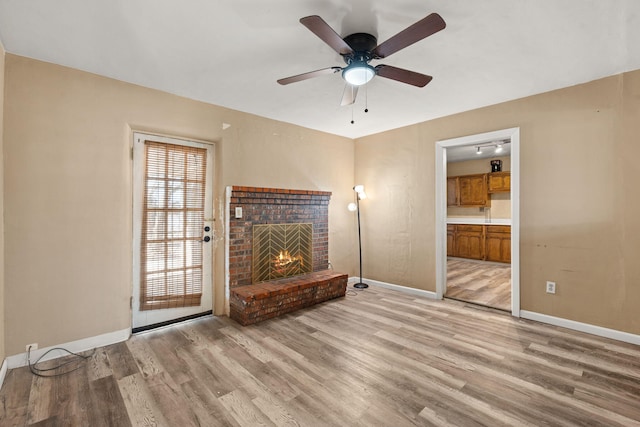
173 230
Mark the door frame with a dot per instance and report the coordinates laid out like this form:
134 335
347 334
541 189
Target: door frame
513 134
207 302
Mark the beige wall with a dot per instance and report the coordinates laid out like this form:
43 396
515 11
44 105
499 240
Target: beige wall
2 300
68 195
500 202
68 191
579 199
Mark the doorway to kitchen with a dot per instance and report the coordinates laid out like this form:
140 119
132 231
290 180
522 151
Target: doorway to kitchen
477 219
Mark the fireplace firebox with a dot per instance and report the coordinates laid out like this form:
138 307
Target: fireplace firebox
281 250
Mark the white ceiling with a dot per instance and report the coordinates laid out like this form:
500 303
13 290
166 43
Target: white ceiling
231 52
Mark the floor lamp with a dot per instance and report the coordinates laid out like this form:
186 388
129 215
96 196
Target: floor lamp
360 195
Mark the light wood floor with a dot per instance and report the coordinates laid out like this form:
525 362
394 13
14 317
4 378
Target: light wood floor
479 282
380 358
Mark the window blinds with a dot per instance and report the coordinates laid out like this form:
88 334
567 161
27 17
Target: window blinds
172 222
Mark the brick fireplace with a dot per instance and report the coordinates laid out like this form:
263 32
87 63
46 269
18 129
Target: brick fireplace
274 206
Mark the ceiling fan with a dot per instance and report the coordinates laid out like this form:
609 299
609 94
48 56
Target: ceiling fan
359 49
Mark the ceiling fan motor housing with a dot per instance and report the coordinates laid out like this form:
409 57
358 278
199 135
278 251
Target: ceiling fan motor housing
362 44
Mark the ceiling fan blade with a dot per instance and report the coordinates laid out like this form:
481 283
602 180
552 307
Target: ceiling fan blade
402 75
349 94
309 75
416 32
321 29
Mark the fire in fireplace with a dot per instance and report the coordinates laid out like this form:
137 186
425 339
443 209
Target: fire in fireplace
281 250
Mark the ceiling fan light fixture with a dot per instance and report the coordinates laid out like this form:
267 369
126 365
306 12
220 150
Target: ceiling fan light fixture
358 73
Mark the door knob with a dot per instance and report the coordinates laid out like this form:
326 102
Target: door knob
206 239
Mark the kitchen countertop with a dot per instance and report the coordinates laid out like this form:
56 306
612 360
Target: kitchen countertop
478 221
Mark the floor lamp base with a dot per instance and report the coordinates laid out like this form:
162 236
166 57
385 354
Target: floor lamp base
360 285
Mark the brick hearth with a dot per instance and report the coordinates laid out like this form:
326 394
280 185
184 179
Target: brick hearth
262 301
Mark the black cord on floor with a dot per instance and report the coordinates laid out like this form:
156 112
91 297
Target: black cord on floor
352 292
43 372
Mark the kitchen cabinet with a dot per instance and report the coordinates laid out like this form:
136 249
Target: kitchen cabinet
451 240
498 243
469 241
473 190
468 191
481 242
453 188
499 182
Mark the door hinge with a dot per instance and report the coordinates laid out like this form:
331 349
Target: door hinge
131 153
131 303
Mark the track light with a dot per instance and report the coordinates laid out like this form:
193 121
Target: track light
478 152
499 148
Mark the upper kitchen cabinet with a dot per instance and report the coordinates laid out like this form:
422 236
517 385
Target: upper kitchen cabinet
499 182
453 191
468 191
473 191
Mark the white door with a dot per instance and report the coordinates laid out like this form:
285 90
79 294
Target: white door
172 229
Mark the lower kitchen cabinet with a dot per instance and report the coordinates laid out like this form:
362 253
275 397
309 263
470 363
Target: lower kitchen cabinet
451 240
498 243
469 241
482 242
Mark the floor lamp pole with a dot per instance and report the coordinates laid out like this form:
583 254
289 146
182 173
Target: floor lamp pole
360 284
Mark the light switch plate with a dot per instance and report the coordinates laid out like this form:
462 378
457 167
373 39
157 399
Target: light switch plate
238 212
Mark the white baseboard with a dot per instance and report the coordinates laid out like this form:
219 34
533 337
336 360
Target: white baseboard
582 327
405 289
3 372
538 317
19 360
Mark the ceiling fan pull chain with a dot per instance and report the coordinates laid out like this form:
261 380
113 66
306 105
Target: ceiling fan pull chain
366 99
352 122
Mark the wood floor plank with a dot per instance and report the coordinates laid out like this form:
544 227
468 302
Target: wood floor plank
14 397
142 408
243 410
171 400
99 366
40 404
144 356
208 410
121 361
377 357
164 344
479 282
103 390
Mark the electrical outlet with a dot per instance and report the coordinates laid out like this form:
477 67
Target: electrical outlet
33 346
551 287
